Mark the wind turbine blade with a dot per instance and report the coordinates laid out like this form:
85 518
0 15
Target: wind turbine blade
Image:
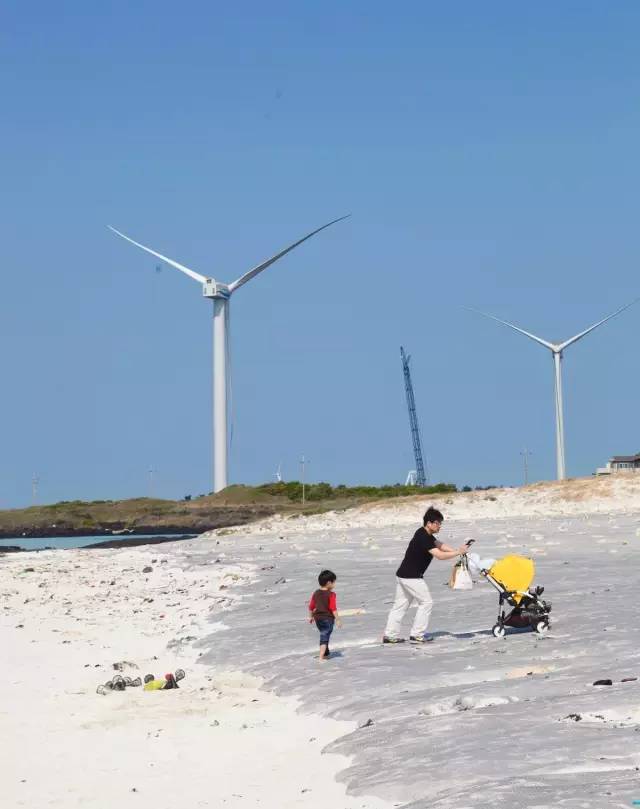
528 334
252 273
191 273
582 334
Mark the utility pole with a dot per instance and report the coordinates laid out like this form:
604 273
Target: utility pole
34 488
303 463
525 459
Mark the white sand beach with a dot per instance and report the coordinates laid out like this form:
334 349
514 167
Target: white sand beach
258 722
68 616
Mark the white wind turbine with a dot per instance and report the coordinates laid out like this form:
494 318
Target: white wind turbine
557 350
221 294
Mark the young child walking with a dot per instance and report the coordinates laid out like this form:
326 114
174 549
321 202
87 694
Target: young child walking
323 609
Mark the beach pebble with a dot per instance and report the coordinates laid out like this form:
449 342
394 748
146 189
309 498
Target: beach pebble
121 665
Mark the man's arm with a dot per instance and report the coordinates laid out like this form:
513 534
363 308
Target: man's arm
450 553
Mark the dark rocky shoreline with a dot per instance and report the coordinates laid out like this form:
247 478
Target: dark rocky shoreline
132 541
129 542
195 523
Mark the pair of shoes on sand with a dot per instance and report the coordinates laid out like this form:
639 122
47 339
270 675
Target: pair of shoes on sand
412 639
118 683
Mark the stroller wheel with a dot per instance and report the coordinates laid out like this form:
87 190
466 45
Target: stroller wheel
499 631
542 626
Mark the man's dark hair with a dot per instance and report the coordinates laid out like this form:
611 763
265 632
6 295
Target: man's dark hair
432 515
325 577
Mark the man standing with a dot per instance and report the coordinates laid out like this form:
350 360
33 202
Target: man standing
411 586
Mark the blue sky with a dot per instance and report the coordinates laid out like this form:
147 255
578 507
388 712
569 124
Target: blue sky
487 151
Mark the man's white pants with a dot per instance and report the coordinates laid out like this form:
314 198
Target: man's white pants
407 592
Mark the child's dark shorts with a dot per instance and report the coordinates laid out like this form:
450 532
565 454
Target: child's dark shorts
325 628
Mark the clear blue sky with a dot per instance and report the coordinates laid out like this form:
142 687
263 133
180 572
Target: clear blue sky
487 151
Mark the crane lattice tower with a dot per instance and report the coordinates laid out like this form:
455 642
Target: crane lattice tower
421 475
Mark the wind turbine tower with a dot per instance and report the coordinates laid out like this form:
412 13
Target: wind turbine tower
220 294
420 475
557 351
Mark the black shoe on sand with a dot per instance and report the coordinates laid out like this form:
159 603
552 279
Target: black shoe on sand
420 638
386 639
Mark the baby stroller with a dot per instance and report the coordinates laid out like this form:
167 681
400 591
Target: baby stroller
512 577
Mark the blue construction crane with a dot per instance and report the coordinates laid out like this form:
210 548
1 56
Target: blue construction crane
421 477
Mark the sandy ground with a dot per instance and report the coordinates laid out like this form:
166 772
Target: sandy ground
218 741
578 497
467 722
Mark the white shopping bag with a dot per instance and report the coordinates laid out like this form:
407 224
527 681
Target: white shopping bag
460 576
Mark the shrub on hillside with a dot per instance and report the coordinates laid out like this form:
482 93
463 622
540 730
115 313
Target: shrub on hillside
324 491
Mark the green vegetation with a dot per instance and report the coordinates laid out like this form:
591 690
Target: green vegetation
235 505
318 492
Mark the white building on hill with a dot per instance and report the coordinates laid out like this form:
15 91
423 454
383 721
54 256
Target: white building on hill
620 463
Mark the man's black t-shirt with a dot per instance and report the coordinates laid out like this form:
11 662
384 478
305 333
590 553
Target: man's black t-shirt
417 557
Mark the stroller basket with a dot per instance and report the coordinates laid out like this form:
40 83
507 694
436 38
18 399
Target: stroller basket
512 577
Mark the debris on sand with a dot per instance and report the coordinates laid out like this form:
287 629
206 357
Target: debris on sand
121 665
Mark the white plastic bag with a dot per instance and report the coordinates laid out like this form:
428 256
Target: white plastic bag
476 564
460 576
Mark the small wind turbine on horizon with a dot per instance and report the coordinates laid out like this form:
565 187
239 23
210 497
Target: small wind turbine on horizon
221 294
557 350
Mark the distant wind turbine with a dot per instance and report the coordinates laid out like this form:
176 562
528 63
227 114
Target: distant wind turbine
220 294
557 350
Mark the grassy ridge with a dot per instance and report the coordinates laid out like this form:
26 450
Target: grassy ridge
319 492
235 505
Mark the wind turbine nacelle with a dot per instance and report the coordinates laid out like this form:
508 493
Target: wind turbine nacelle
212 289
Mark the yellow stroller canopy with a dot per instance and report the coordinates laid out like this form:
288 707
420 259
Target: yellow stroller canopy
514 573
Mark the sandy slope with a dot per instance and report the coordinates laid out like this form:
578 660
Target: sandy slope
469 721
67 616
465 723
577 497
